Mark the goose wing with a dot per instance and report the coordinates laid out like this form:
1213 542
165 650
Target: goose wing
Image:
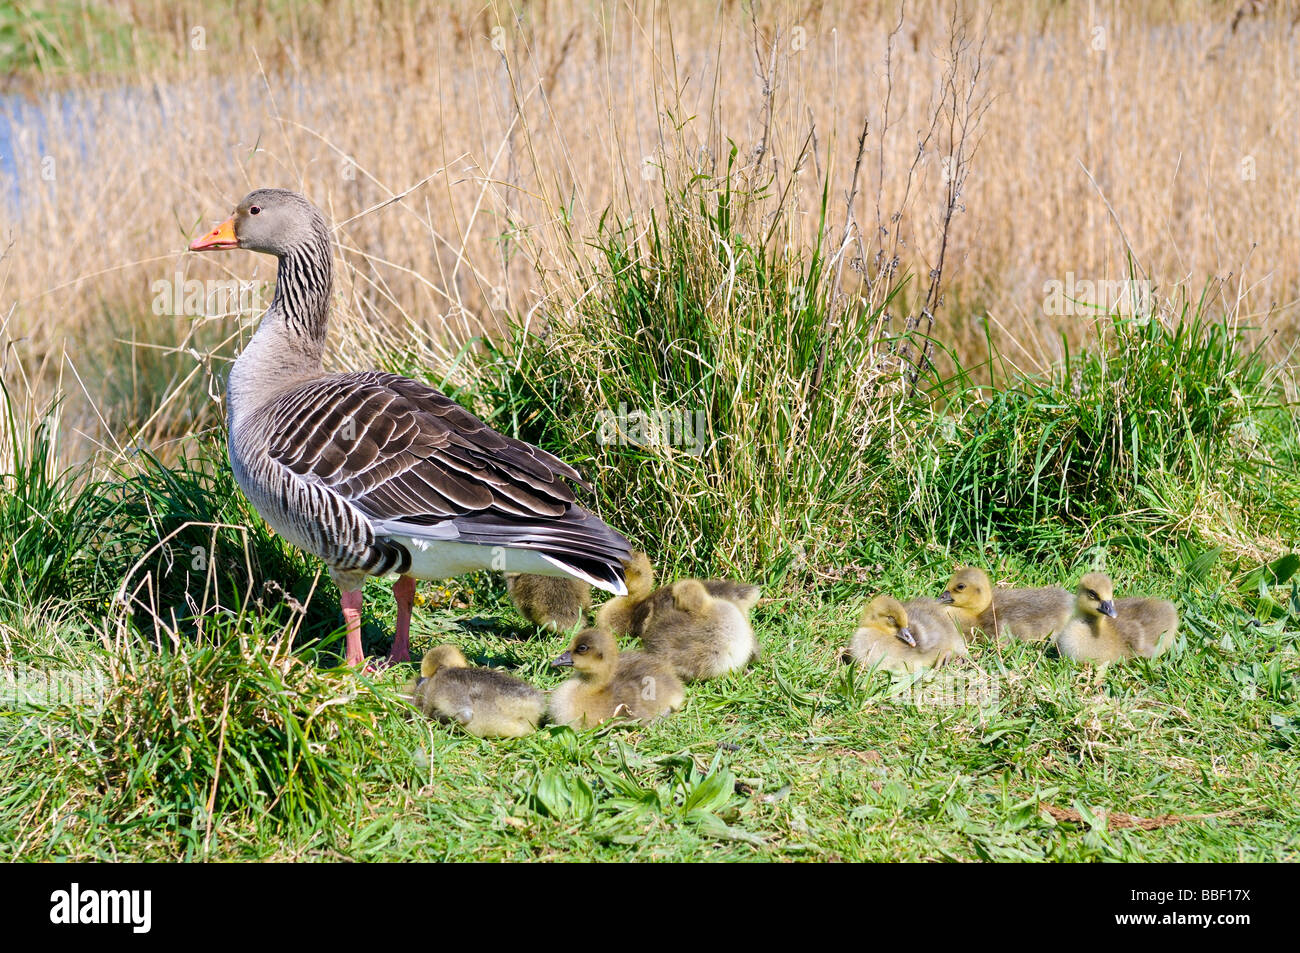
415 461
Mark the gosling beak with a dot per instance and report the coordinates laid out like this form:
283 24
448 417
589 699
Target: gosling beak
564 661
945 599
223 236
905 635
420 681
1108 608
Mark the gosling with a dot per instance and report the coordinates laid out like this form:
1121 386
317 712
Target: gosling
486 702
616 614
608 684
1030 615
699 635
903 637
626 615
550 602
1105 630
742 595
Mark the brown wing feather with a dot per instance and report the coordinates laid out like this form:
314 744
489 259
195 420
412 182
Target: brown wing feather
400 450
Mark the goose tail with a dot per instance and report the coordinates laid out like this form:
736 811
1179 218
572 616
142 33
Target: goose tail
578 543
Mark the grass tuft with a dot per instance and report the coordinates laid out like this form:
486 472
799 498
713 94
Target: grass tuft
706 381
178 741
1175 423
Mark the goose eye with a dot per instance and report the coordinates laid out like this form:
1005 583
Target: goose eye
1092 595
961 586
581 650
255 210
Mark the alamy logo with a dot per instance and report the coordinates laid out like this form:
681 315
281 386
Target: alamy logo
214 298
1084 296
660 427
102 906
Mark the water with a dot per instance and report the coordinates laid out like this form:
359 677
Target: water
25 131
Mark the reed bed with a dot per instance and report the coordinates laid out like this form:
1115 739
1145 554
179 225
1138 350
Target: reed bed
470 153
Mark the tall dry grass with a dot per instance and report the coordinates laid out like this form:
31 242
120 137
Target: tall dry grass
468 150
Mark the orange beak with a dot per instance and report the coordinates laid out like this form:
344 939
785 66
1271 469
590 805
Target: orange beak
223 236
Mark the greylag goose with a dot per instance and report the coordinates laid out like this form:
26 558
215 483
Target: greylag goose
488 703
1030 615
549 602
1106 629
375 473
616 614
700 635
743 595
612 684
902 637
627 615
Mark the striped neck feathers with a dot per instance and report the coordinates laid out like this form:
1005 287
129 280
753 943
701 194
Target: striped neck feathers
289 344
303 284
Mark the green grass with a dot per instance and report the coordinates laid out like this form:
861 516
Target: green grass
723 362
800 758
64 38
198 745
200 712
1170 424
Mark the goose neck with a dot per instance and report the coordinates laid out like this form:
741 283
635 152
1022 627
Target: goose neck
303 283
289 344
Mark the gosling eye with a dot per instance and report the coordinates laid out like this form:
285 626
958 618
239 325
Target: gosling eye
1092 595
961 586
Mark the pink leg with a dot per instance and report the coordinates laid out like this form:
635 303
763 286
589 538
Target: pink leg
404 593
351 602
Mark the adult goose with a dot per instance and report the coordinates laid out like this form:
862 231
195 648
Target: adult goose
375 473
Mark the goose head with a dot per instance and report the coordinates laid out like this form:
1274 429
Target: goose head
886 614
593 655
1096 595
968 589
272 221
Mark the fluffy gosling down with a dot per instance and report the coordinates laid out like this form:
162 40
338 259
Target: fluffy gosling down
488 703
1104 629
557 603
616 614
902 637
1030 615
700 635
609 684
742 595
626 615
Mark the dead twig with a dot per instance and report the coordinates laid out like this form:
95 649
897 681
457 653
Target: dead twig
1118 820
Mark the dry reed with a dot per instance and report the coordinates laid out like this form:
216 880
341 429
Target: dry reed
468 151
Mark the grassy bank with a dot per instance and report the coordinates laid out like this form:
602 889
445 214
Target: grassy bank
182 699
